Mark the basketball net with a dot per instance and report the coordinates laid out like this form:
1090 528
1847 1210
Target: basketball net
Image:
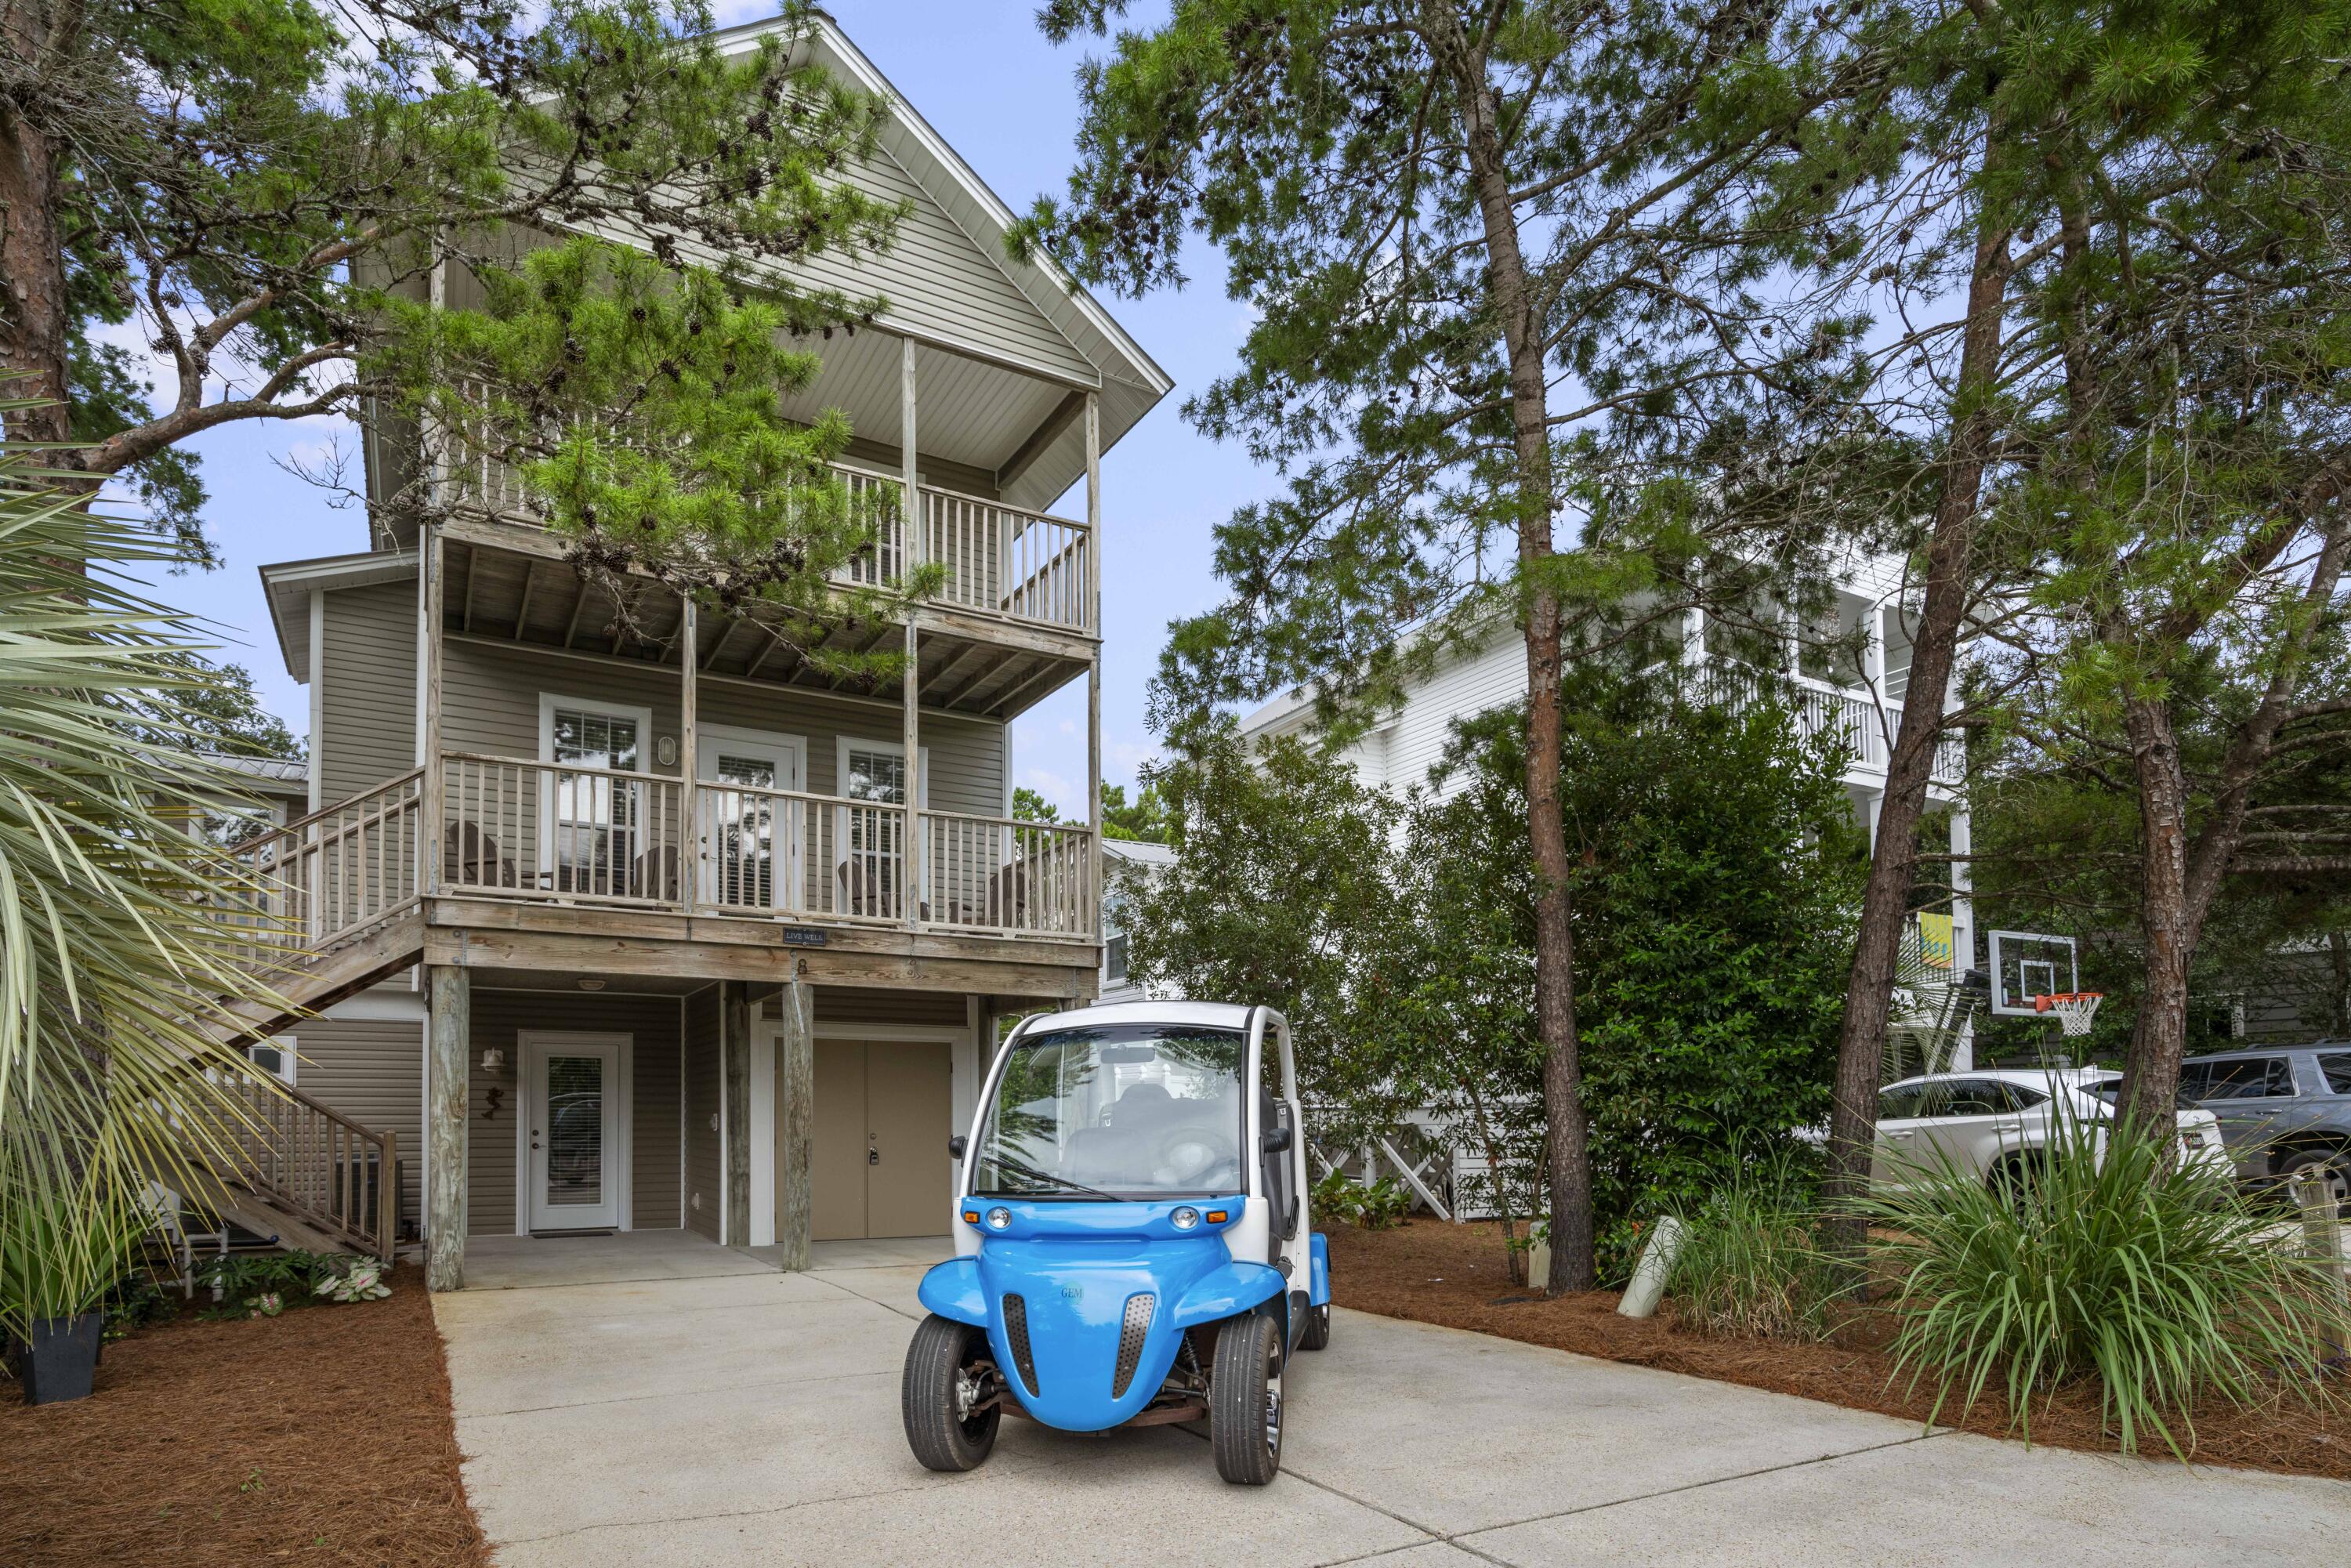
2074 1010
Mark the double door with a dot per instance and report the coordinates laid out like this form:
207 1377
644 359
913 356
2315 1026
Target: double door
878 1161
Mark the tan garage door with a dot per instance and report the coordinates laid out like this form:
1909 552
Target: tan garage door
878 1161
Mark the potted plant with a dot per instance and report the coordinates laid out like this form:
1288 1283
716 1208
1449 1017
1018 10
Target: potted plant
59 1255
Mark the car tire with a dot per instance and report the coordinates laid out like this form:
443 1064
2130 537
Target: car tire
1245 1412
1317 1332
949 1365
2336 1163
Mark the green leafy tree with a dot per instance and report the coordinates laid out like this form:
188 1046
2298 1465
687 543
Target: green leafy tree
1144 821
273 194
1030 807
1501 254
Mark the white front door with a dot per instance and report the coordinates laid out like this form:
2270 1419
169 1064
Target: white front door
750 838
575 1159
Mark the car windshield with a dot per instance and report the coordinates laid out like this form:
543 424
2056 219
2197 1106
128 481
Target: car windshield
1125 1111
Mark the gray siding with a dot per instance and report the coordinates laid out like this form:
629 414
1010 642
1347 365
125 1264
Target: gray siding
706 1193
499 1017
847 1004
490 699
371 1070
368 717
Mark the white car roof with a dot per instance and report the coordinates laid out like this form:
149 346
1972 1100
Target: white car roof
2033 1077
1207 1015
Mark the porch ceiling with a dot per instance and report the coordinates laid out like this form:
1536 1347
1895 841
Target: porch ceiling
536 602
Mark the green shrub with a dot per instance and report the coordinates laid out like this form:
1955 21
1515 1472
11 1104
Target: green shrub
2160 1281
1750 1265
63 1249
266 1283
1381 1206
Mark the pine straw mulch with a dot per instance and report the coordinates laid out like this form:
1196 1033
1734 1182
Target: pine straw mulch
323 1436
1453 1275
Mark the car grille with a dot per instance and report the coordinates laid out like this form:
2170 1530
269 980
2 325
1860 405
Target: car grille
1130 1343
1016 1334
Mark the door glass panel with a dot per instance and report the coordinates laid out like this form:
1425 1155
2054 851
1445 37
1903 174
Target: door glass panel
873 843
596 824
575 1131
745 831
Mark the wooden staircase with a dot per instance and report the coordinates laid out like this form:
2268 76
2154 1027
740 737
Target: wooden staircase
329 906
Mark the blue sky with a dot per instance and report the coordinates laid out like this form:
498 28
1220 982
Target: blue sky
980 72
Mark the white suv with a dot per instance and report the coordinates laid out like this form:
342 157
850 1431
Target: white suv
1987 1122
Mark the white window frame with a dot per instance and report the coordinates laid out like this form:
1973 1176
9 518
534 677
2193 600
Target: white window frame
842 745
548 702
620 1160
787 882
283 1045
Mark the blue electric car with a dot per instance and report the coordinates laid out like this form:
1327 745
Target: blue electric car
1131 1238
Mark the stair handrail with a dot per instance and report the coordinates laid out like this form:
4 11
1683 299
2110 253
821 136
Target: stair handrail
305 1157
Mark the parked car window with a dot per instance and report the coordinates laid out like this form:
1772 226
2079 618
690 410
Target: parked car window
2020 1098
1976 1097
2338 1068
1904 1100
2251 1078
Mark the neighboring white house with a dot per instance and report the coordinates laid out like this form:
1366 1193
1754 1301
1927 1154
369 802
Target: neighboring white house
1397 752
1118 855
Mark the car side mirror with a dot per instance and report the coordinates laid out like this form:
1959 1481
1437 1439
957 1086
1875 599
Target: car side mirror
1276 1141
957 1145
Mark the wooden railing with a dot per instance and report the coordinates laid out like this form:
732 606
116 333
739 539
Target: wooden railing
1010 877
540 830
313 1163
326 875
780 851
1001 560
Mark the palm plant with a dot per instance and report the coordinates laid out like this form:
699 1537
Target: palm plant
2113 1263
111 964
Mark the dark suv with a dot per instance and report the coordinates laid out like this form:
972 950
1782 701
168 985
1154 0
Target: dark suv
2283 1111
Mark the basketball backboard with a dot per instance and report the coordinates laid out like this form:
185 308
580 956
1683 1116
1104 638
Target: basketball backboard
2027 964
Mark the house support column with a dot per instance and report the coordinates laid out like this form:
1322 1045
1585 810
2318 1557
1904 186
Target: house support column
795 1120
1094 669
918 545
735 1068
689 761
449 1023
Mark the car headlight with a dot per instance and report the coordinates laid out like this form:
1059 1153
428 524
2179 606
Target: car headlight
1185 1218
998 1218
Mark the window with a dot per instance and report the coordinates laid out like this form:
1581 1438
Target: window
872 836
595 821
274 1056
1978 1097
2252 1078
1114 957
1905 1101
2337 1069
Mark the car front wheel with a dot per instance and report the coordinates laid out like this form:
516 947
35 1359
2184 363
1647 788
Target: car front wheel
949 1395
1244 1401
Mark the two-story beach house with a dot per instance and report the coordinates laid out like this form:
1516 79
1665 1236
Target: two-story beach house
637 920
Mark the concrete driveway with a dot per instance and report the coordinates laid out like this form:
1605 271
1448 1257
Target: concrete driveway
664 1402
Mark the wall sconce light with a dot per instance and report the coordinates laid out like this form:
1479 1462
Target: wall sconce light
493 1061
666 751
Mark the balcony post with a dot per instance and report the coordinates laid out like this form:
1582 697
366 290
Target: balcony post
1094 890
910 777
689 760
917 546
448 1121
433 824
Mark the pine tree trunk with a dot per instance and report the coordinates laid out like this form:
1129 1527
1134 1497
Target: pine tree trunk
35 324
1569 1172
2150 1089
1869 988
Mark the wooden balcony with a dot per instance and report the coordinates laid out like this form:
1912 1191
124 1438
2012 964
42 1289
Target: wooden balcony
520 832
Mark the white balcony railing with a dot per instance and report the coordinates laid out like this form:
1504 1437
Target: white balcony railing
1002 561
1867 727
514 828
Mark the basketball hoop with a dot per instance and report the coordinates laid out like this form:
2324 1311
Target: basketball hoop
2074 1010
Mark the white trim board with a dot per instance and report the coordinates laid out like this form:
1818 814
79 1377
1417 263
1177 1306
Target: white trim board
620 1160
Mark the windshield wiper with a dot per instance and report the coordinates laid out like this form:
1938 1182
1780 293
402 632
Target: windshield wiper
1020 1168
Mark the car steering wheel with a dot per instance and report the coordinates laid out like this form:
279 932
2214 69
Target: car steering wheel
1183 1156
